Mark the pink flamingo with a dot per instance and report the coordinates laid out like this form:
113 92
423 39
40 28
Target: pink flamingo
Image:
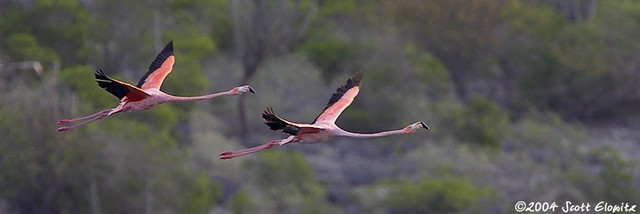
323 128
146 94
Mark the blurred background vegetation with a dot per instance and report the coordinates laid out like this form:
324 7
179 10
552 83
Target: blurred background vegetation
527 100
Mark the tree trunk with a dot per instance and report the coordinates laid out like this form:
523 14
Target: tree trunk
259 30
242 117
157 32
457 74
148 194
575 10
507 81
93 196
245 133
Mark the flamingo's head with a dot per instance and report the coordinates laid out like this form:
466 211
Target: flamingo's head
415 126
244 89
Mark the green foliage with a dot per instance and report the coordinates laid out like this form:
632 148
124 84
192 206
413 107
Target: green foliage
461 36
430 70
81 79
333 52
197 47
360 119
287 179
540 21
434 196
609 178
192 82
189 78
485 122
149 135
522 54
560 71
67 21
203 195
25 46
241 203
192 46
163 117
63 26
337 8
481 122
37 162
332 13
616 176
569 81
221 30
276 168
328 52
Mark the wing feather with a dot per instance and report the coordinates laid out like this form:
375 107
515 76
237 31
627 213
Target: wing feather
122 90
341 99
276 123
159 69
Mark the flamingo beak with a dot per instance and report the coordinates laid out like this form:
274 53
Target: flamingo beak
251 90
424 125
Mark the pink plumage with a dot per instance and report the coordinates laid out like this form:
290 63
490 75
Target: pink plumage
323 128
146 94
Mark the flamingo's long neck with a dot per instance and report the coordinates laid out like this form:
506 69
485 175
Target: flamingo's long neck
372 135
171 98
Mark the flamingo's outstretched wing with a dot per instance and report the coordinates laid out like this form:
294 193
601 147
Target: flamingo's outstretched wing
120 89
159 69
340 100
276 123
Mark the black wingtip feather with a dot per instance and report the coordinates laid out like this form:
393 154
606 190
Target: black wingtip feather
110 85
276 123
351 82
157 62
271 120
424 125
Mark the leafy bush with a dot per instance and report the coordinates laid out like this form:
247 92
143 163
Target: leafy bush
287 180
617 184
481 122
430 70
562 73
240 203
81 80
434 196
25 46
329 53
203 195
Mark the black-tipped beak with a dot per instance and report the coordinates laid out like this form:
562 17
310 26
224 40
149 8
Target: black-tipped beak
424 125
251 90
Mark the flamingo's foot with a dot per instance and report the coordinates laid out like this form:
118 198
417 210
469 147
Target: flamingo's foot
63 129
226 155
65 121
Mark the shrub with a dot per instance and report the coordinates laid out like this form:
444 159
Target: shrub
434 196
329 53
287 180
481 122
617 180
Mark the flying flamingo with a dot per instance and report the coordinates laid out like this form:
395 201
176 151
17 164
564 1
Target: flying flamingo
146 94
323 128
